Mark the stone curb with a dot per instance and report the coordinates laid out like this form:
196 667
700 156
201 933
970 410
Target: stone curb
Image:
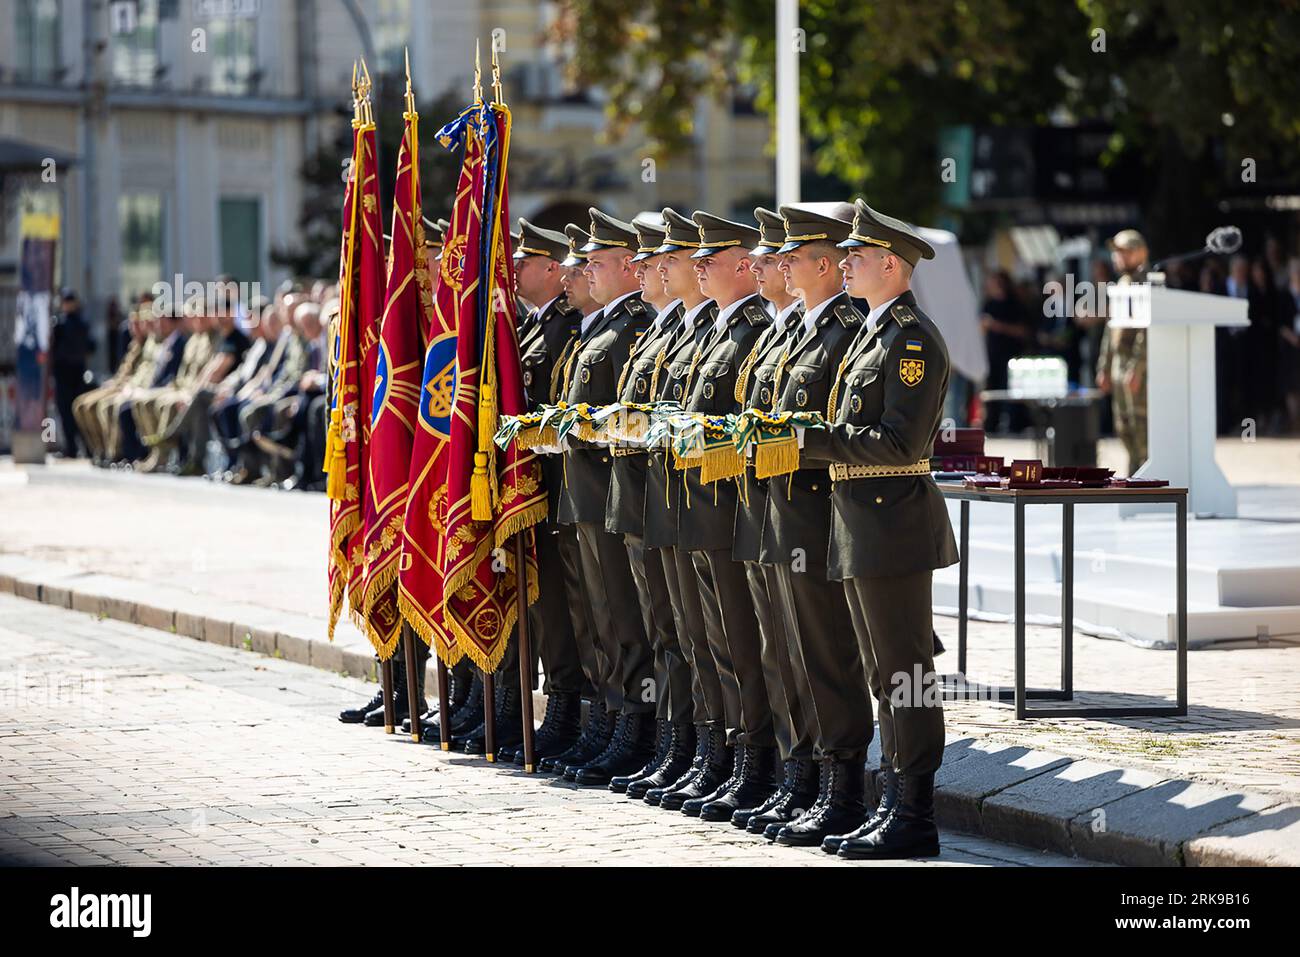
1007 793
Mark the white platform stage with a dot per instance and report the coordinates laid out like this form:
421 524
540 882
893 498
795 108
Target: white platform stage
1243 575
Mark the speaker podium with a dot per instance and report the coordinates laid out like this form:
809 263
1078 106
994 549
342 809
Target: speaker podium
1180 384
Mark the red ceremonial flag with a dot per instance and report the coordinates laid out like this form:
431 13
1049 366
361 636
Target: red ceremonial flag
342 458
457 587
396 400
491 495
420 581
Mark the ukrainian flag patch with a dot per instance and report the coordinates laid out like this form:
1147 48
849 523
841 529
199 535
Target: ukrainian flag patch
913 345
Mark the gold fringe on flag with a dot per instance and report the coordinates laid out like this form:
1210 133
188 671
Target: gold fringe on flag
778 455
721 462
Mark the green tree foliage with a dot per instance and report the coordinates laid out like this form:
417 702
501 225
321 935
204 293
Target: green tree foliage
1191 86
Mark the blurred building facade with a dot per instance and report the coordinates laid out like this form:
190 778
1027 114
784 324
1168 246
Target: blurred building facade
188 121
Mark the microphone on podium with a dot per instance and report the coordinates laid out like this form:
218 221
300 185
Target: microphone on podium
1223 241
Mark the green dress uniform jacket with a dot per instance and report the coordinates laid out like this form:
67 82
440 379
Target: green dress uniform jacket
886 414
798 507
591 375
663 482
754 386
707 519
625 507
547 336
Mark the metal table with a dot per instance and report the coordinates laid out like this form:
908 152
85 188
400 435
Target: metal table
1067 499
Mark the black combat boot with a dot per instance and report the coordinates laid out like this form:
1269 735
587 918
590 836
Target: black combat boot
629 750
907 831
663 734
887 783
655 795
841 809
509 722
676 762
602 733
375 716
756 783
557 763
458 687
718 764
465 718
692 806
794 808
560 728
358 715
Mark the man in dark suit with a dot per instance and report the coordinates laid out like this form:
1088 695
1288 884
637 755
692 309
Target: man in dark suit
797 529
792 715
591 376
890 528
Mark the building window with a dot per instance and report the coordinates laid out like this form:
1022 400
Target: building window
390 25
140 225
241 237
36 38
232 42
135 38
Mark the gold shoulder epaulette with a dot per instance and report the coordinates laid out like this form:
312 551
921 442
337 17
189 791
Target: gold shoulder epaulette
756 314
636 307
848 315
903 315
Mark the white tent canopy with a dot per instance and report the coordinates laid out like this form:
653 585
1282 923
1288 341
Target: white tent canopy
944 292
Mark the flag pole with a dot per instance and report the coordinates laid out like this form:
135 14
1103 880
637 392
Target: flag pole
521 567
360 103
489 679
525 655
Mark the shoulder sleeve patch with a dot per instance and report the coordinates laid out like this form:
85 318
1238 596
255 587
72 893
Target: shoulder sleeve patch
903 315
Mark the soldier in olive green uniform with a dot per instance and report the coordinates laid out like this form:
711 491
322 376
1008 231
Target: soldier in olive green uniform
625 515
590 376
1122 364
695 611
595 729
796 532
791 706
890 528
707 520
546 330
85 406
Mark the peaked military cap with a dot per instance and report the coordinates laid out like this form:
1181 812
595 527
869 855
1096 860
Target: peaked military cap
717 234
536 241
683 233
871 228
815 222
609 233
577 239
650 233
771 231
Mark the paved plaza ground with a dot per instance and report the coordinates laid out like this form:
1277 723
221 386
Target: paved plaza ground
210 727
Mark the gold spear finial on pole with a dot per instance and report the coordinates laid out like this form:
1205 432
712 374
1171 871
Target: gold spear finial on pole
366 109
496 76
478 76
410 95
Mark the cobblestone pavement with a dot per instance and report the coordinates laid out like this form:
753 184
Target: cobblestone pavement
121 745
263 546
